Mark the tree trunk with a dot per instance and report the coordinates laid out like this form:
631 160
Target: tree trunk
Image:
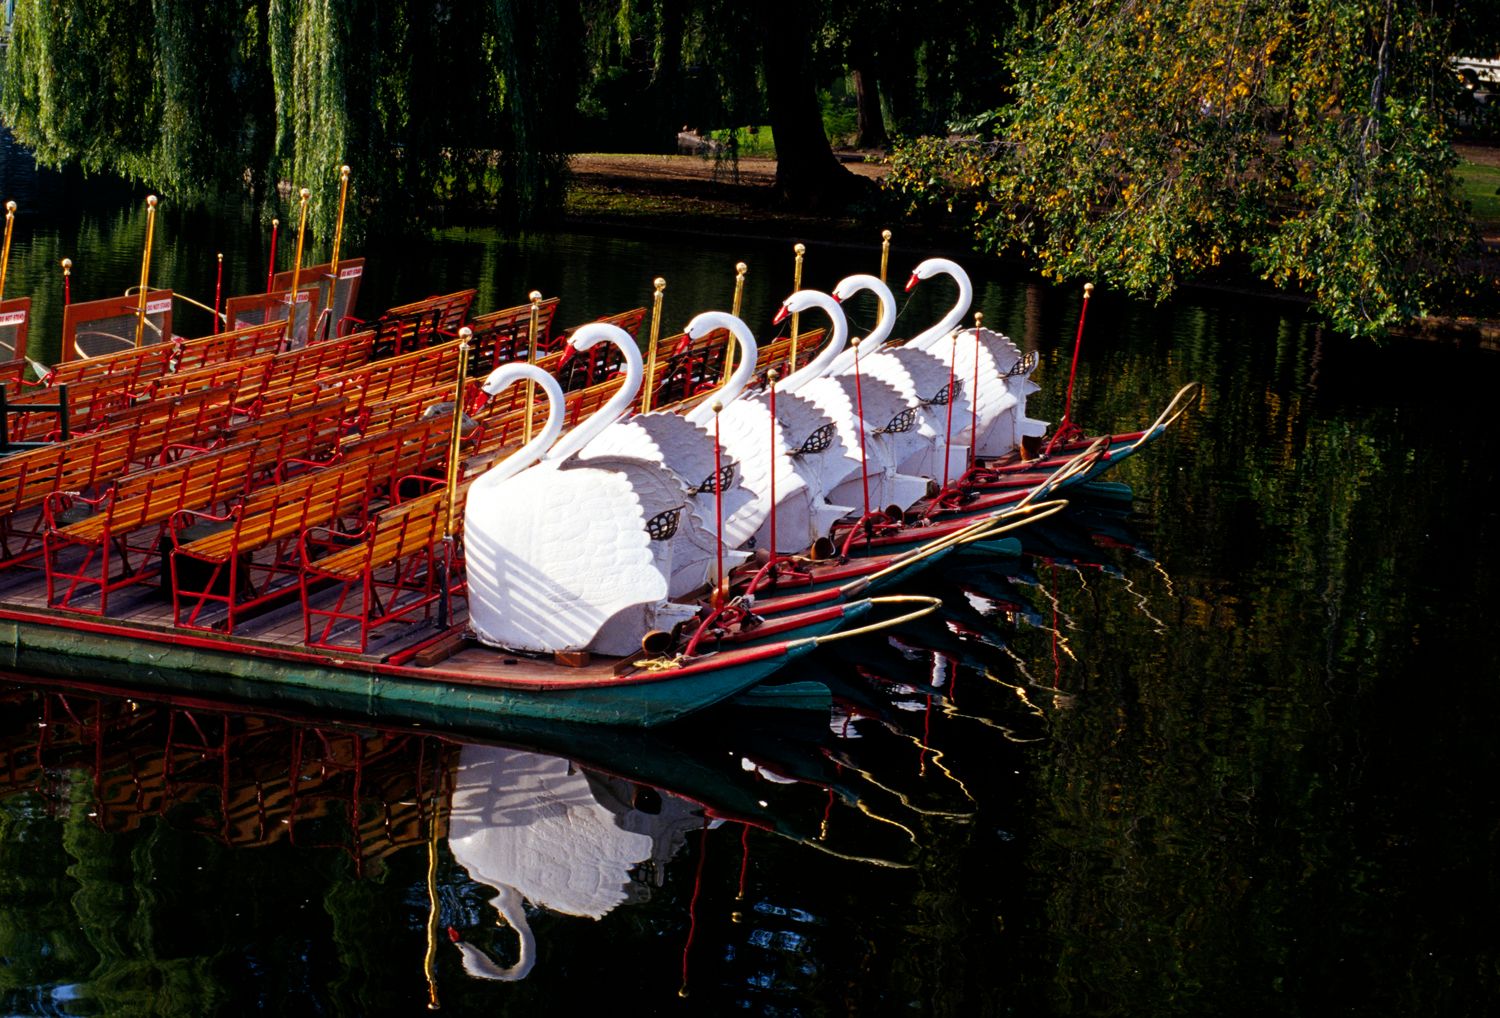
807 174
867 103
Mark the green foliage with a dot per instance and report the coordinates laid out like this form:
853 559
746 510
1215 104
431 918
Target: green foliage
1151 142
430 103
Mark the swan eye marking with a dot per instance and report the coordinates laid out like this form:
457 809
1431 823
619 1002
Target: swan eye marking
901 423
663 525
1024 366
818 440
719 481
946 393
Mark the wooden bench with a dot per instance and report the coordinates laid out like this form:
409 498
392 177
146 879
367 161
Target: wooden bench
88 403
420 324
504 336
388 572
131 369
87 465
405 409
237 344
308 433
393 377
320 360
250 556
247 377
137 503
162 427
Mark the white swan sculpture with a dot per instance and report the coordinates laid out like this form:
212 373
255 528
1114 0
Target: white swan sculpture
569 555
799 435
1001 421
886 417
919 377
687 450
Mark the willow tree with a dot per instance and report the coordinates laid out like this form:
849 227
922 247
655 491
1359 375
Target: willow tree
1152 140
430 102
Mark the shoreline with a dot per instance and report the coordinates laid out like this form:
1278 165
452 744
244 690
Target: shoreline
677 195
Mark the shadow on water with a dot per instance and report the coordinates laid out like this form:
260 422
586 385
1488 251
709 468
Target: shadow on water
1225 749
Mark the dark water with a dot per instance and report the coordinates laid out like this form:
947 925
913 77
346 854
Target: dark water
1227 750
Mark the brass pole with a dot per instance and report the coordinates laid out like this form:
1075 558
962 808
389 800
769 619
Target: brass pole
799 250
660 284
338 228
536 318
10 224
140 314
67 269
291 311
456 436
885 261
740 269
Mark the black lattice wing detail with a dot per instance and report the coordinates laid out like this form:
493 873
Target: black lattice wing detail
663 525
901 423
818 440
718 481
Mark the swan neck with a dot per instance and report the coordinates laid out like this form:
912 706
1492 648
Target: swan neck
838 336
616 407
955 315
532 451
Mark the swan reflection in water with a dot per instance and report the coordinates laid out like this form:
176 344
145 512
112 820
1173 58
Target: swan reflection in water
540 829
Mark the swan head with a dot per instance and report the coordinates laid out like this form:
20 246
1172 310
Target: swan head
804 300
935 266
707 321
507 375
480 965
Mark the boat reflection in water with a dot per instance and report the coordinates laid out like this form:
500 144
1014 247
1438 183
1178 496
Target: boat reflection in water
480 841
540 829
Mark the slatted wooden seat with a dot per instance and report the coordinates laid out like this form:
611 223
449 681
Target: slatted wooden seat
237 344
246 377
504 336
385 574
127 367
414 450
88 404
81 555
601 360
393 377
161 427
421 323
404 409
308 433
86 466
250 557
320 360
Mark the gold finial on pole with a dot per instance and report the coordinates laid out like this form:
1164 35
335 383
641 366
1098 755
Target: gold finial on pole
799 250
465 334
535 296
659 284
10 224
740 269
140 314
291 310
885 263
338 226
